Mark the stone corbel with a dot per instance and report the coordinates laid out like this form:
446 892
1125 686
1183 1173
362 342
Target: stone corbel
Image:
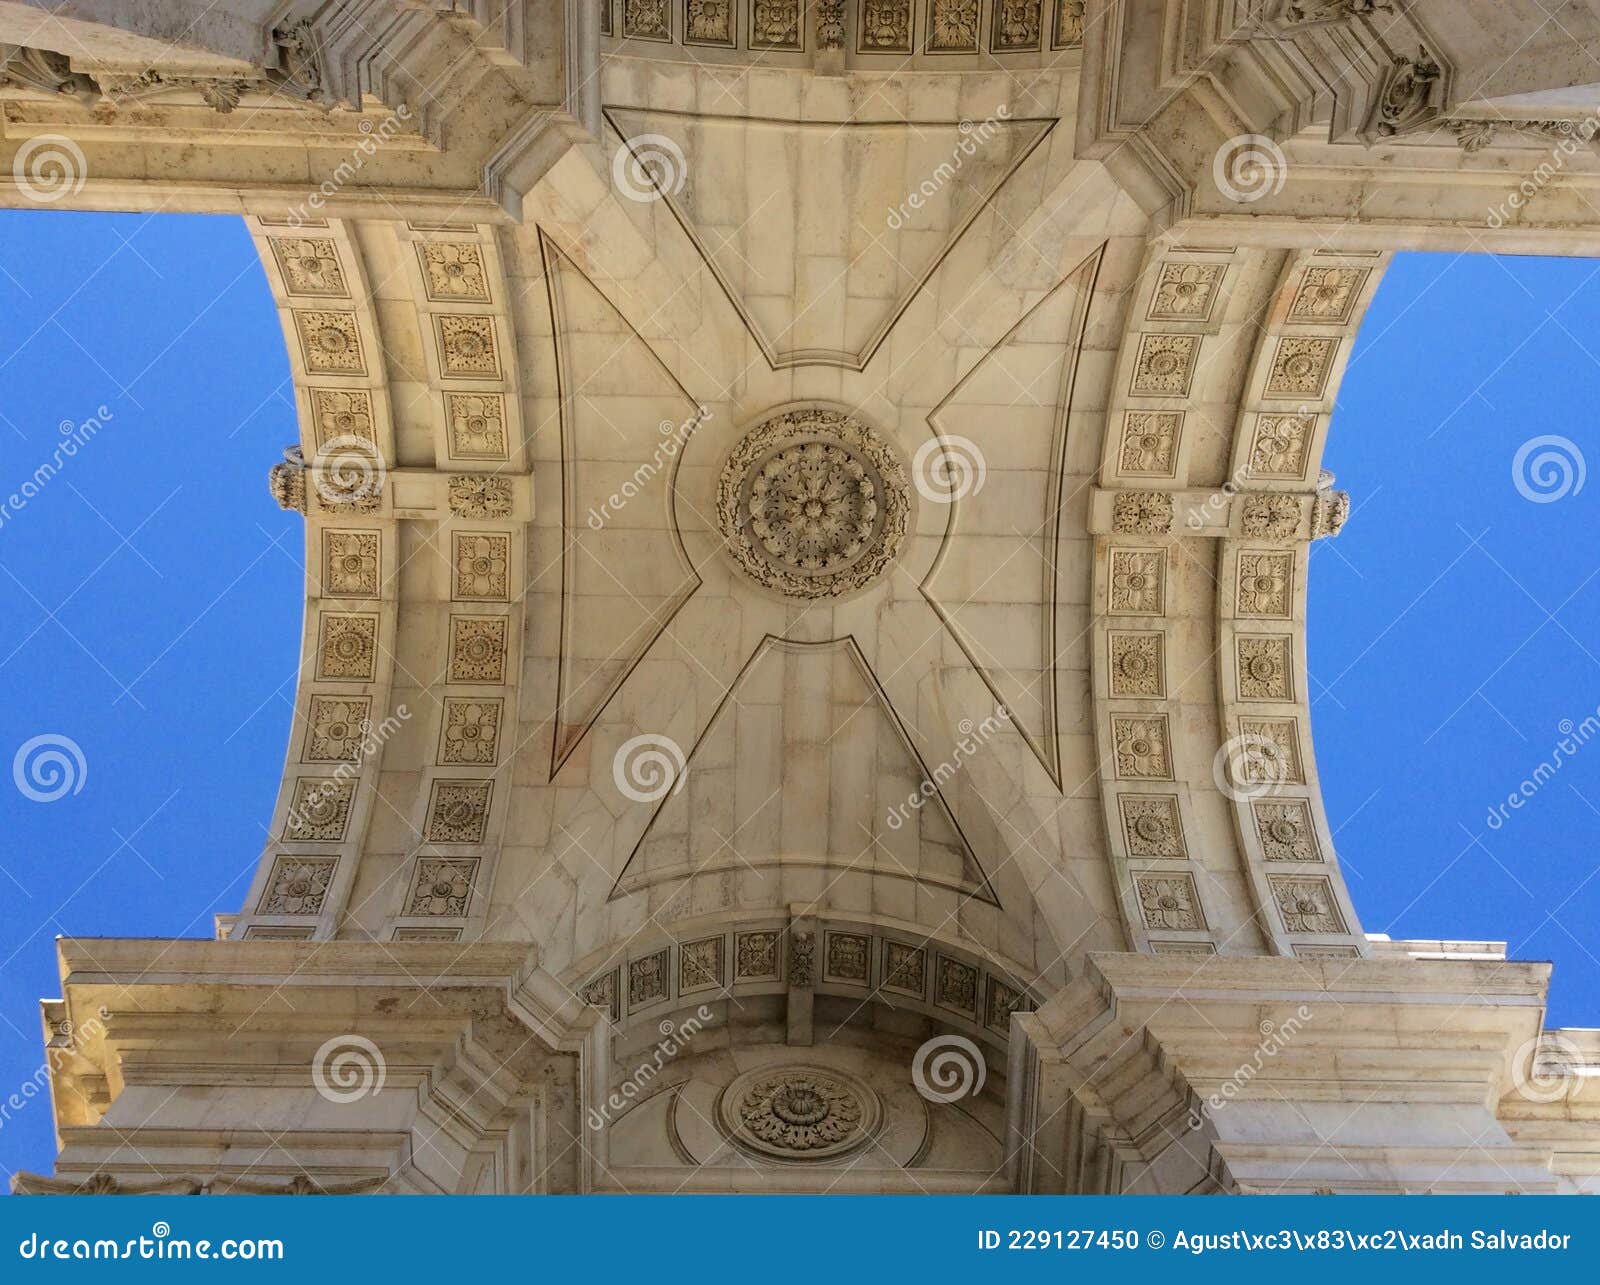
1414 96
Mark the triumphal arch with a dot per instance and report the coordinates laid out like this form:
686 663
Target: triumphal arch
807 510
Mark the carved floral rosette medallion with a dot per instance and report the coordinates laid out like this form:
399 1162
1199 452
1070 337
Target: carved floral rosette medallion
799 1113
813 504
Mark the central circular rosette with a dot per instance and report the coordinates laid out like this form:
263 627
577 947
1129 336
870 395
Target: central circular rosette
813 503
799 1113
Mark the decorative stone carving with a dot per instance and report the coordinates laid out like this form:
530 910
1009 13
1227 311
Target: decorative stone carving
45 70
1068 29
477 425
700 965
799 1113
454 270
348 647
755 956
1136 668
1151 826
336 727
1270 517
1150 442
812 504
1300 367
350 564
1329 514
709 22
955 985
1265 667
415 933
830 24
1266 581
458 811
1327 296
1281 445
480 496
1412 96
1015 26
1141 747
905 968
471 732
1475 135
297 886
1182 948
1142 512
1003 1001
885 26
647 979
481 567
646 20
849 957
299 71
287 481
775 24
604 992
309 265
1185 291
1164 365
319 811
1305 13
952 26
340 413
467 346
1306 903
1286 830
330 343
442 886
1137 582
477 649
1272 754
802 960
1169 901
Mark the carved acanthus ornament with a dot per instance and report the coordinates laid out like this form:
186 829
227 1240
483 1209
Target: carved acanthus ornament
480 496
1475 135
802 960
1142 512
1412 96
799 1113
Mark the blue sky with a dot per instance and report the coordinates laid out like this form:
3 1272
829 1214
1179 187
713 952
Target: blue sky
152 594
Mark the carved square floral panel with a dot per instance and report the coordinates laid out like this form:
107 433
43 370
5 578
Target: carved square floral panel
1142 748
441 886
1266 583
605 992
955 985
467 348
1068 30
1002 1002
478 649
775 24
309 265
297 885
709 22
1265 667
330 343
336 727
905 968
350 564
1327 296
1186 291
847 958
1306 903
1138 582
347 646
755 956
884 27
1169 901
471 732
1152 826
1015 26
1286 830
417 933
1281 446
1300 367
319 811
646 20
952 26
647 979
1164 365
336 413
458 811
1136 667
481 570
454 270
1150 442
477 425
700 965
1271 752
